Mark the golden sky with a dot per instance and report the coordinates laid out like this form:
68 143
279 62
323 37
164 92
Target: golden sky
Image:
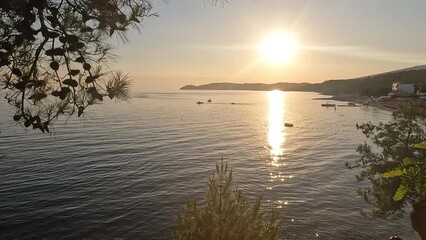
195 43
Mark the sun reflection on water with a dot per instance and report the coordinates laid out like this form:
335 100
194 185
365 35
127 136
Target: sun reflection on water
276 140
276 136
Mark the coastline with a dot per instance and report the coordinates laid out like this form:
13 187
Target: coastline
383 103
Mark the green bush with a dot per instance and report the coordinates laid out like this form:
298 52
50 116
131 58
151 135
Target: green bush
227 214
392 150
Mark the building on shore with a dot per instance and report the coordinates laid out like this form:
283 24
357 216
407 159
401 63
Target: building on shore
404 90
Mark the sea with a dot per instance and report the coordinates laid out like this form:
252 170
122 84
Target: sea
125 169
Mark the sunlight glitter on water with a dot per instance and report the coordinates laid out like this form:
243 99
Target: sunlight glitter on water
125 171
276 135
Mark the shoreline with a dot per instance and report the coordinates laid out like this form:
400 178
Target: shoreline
383 103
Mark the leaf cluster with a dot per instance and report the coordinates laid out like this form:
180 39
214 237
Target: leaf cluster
412 173
228 214
52 53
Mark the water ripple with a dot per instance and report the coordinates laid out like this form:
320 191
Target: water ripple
126 170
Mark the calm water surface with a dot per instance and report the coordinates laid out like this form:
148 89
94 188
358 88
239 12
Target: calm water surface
125 170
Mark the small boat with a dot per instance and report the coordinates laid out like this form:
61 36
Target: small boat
328 105
199 102
350 104
288 124
209 100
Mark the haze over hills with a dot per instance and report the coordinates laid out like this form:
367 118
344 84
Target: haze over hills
372 85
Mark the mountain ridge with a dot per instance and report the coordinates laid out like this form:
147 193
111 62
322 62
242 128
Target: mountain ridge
371 85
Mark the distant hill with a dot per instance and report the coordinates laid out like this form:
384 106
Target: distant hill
247 86
373 85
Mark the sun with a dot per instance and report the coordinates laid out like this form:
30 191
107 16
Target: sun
279 47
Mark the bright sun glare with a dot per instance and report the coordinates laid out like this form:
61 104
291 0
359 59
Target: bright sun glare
279 47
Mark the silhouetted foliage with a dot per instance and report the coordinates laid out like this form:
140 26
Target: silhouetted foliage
53 52
227 216
397 172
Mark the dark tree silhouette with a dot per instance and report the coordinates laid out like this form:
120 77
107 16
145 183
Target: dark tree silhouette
53 52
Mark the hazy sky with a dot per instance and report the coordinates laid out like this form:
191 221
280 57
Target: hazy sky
193 42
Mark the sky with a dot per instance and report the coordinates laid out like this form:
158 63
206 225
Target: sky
194 42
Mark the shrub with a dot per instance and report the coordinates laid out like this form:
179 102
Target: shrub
227 214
